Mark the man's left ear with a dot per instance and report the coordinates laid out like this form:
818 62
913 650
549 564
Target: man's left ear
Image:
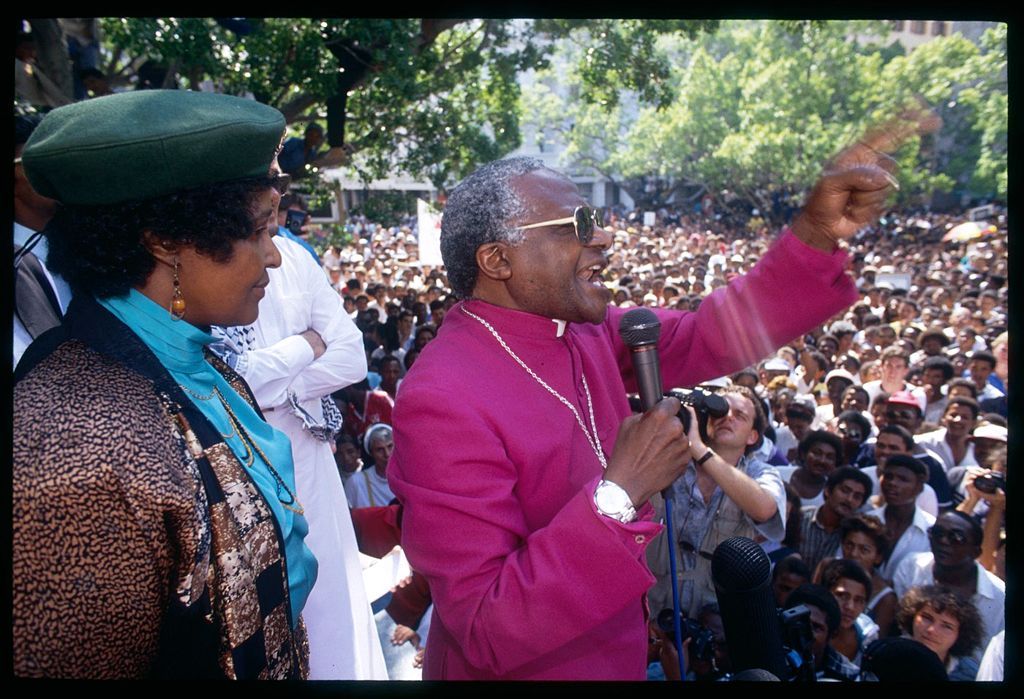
753 438
493 262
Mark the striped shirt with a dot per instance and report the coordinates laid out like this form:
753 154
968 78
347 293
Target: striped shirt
815 542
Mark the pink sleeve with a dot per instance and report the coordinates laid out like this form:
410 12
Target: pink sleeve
508 593
793 288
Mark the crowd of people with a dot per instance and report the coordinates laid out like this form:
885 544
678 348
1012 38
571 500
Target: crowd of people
867 456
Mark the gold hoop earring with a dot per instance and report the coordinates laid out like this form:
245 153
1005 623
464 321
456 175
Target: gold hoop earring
177 307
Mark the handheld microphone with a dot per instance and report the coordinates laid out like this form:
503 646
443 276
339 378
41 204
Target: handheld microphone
741 572
640 329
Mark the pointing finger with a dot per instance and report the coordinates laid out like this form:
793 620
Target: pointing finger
876 145
914 120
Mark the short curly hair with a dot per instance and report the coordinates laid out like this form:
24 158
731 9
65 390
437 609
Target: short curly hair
870 526
849 473
480 210
857 417
99 250
825 437
839 568
944 600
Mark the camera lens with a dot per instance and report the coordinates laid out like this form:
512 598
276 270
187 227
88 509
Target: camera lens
665 621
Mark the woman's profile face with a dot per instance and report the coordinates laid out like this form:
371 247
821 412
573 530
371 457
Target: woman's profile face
228 293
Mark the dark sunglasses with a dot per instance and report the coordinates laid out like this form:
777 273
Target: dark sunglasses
583 219
953 536
901 414
281 183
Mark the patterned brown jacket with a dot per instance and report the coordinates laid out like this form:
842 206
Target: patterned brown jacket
141 547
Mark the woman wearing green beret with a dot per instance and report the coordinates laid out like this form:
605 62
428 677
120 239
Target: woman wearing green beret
156 532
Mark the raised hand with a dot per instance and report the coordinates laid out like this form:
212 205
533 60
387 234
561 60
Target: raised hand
855 184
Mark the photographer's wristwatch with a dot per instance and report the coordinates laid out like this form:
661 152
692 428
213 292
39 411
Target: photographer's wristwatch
612 501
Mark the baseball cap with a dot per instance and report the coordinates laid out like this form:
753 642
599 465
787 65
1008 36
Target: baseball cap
841 374
776 364
989 431
904 398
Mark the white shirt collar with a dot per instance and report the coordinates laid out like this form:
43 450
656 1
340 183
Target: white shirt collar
922 520
986 586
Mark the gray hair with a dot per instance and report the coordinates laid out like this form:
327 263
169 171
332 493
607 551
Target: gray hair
379 430
479 211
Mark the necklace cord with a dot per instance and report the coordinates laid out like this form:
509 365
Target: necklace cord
249 443
591 437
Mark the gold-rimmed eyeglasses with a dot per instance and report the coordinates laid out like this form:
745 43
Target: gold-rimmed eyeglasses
583 219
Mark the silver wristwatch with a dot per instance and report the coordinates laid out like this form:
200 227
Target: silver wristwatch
612 501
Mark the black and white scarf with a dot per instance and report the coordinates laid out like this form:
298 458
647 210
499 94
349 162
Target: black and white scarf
233 346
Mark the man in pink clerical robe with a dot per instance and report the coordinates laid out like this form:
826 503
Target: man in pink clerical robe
524 478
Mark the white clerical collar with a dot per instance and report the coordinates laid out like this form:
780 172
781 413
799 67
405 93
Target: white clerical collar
560 330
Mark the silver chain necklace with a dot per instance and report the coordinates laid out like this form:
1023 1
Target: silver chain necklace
591 437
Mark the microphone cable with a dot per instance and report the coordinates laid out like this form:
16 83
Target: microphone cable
677 625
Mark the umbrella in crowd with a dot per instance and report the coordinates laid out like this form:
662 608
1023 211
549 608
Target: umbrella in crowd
968 231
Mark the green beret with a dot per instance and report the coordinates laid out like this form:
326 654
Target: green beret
145 144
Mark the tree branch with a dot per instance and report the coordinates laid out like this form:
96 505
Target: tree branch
448 51
114 58
296 106
431 28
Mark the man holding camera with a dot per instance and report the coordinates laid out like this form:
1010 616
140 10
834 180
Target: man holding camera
724 492
291 217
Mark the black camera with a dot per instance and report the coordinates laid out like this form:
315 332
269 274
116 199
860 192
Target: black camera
702 647
990 482
704 403
294 221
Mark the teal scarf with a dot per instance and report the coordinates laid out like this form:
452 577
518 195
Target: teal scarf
179 347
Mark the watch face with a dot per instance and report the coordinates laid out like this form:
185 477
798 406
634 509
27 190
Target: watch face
611 499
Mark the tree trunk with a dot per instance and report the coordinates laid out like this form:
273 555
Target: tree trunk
430 28
171 75
52 54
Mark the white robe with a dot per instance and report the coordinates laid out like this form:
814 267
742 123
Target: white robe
343 641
